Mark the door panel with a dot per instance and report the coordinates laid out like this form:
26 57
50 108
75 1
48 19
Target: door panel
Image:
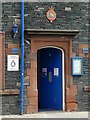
50 78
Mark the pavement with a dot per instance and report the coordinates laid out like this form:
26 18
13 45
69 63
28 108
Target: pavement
51 114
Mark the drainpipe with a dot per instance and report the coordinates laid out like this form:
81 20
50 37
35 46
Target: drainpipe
22 60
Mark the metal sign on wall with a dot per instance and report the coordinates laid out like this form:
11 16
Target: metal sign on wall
13 63
51 15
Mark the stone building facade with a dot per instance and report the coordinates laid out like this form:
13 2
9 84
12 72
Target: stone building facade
71 33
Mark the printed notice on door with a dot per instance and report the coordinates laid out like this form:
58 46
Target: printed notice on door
56 71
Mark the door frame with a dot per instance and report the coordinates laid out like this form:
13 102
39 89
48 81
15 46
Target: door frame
61 39
63 75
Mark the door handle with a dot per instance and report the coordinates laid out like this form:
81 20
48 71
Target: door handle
50 76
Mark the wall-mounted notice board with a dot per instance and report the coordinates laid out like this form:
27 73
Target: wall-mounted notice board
77 66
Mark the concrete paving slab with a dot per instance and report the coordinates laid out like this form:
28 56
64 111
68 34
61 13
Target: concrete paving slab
49 114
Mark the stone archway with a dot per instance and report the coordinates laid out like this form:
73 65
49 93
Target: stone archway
61 41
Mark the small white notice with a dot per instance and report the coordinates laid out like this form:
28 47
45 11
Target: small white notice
13 63
56 71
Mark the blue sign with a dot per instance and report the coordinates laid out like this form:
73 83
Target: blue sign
15 50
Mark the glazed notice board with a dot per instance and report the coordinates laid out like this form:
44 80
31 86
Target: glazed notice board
77 66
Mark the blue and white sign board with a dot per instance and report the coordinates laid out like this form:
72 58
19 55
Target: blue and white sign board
77 66
13 63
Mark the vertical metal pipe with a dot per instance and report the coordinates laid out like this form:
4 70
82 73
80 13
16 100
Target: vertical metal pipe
22 60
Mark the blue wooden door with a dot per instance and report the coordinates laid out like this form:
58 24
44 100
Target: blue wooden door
50 79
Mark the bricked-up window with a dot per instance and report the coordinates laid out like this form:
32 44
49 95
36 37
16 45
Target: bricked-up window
2 62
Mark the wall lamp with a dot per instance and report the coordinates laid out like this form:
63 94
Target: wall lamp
14 30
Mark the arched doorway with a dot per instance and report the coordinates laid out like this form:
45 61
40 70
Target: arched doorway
50 78
54 39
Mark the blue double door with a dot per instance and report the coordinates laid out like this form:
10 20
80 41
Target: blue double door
50 94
